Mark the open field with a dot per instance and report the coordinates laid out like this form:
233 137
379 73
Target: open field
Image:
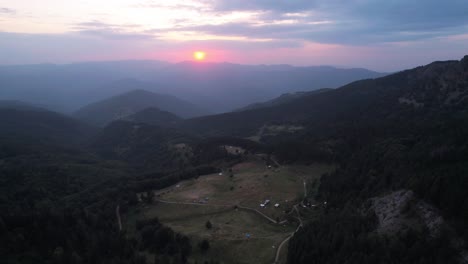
227 237
250 185
188 205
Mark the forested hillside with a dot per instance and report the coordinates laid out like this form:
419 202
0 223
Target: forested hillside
416 140
125 105
58 198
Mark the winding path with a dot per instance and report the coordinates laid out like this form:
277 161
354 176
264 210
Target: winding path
260 213
278 251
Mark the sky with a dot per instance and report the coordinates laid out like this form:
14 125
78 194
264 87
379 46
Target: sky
381 35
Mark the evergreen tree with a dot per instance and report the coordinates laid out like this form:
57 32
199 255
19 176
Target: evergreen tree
204 245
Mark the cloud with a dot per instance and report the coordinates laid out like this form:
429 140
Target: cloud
302 29
315 31
111 31
244 45
174 5
64 48
348 22
7 11
116 35
263 5
16 48
28 48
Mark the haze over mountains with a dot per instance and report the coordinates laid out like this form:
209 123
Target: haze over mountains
435 87
215 87
154 116
130 103
282 99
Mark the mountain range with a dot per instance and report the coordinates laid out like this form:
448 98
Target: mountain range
217 87
127 105
427 89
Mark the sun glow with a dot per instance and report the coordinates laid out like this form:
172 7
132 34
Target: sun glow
199 55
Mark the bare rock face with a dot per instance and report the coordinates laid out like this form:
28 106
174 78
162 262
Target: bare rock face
390 211
430 216
401 210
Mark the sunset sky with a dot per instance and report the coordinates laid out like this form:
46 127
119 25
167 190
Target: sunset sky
380 35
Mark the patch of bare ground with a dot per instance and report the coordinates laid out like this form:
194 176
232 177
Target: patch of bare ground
401 210
390 211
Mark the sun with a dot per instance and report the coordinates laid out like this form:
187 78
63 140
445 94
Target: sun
199 55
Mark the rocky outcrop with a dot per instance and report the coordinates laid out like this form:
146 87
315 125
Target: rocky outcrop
401 210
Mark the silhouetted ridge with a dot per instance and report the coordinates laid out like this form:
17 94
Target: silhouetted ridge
127 104
437 86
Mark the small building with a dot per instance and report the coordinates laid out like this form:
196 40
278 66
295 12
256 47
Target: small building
277 205
262 205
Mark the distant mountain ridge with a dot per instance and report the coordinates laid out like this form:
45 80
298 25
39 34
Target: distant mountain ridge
434 87
226 87
283 99
19 105
219 87
127 104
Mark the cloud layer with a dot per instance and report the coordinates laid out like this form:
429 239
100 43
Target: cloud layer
4 10
240 27
345 22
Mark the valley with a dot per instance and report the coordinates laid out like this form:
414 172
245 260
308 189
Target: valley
242 231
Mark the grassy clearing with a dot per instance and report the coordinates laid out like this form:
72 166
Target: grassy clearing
216 195
251 184
227 236
176 212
